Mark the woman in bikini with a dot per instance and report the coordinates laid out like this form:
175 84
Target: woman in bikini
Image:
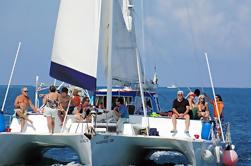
203 111
51 102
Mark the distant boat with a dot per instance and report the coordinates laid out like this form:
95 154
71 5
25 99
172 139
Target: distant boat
171 86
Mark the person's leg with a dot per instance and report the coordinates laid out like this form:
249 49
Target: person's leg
49 123
20 113
119 125
187 122
174 121
61 116
21 116
22 123
52 125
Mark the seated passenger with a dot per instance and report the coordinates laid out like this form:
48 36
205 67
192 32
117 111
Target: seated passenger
21 105
101 105
192 106
196 97
75 101
220 104
180 110
122 112
203 111
83 111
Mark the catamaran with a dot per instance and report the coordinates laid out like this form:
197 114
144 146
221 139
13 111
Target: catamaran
86 29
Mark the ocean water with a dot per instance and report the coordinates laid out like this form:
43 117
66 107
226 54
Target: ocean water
237 111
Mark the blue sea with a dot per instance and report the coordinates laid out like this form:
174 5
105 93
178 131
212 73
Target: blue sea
237 111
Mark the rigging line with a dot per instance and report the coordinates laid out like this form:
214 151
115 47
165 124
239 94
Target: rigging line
162 56
202 37
142 43
143 37
194 44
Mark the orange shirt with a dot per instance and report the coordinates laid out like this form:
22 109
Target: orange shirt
76 100
220 108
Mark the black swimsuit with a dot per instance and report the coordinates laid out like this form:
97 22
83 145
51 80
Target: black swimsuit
52 103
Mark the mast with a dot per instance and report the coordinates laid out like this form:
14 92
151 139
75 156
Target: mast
109 60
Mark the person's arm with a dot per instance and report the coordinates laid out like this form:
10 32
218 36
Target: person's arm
32 106
16 103
206 105
187 110
45 99
61 108
116 111
174 108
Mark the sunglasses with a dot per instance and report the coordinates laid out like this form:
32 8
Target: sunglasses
25 91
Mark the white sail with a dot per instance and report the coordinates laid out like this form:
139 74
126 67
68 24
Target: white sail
75 49
123 45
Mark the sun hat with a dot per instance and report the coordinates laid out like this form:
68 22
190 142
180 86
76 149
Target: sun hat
191 94
201 96
180 92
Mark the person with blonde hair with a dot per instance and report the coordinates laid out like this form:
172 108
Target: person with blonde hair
203 111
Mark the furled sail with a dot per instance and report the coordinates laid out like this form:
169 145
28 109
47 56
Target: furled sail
75 49
124 46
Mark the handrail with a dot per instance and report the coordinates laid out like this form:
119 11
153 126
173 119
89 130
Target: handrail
217 109
11 74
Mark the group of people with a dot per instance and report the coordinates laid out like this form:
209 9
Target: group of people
195 107
55 104
58 103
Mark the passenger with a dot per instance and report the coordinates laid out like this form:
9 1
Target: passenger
75 101
203 111
196 97
220 105
101 105
21 105
83 111
121 112
218 113
51 102
192 106
64 100
180 110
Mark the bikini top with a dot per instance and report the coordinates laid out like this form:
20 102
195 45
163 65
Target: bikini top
52 103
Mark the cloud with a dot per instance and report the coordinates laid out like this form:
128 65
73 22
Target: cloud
223 24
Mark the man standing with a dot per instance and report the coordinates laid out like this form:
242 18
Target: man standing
180 110
21 105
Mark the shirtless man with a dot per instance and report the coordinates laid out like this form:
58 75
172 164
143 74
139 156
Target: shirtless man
64 99
21 105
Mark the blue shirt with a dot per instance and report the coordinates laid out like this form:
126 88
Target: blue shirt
123 111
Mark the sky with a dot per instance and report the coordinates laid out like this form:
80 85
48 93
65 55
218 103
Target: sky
177 33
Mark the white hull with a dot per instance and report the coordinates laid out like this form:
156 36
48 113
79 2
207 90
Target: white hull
25 147
129 147
127 150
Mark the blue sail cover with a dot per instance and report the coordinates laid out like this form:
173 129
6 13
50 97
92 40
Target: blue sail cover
69 75
75 49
